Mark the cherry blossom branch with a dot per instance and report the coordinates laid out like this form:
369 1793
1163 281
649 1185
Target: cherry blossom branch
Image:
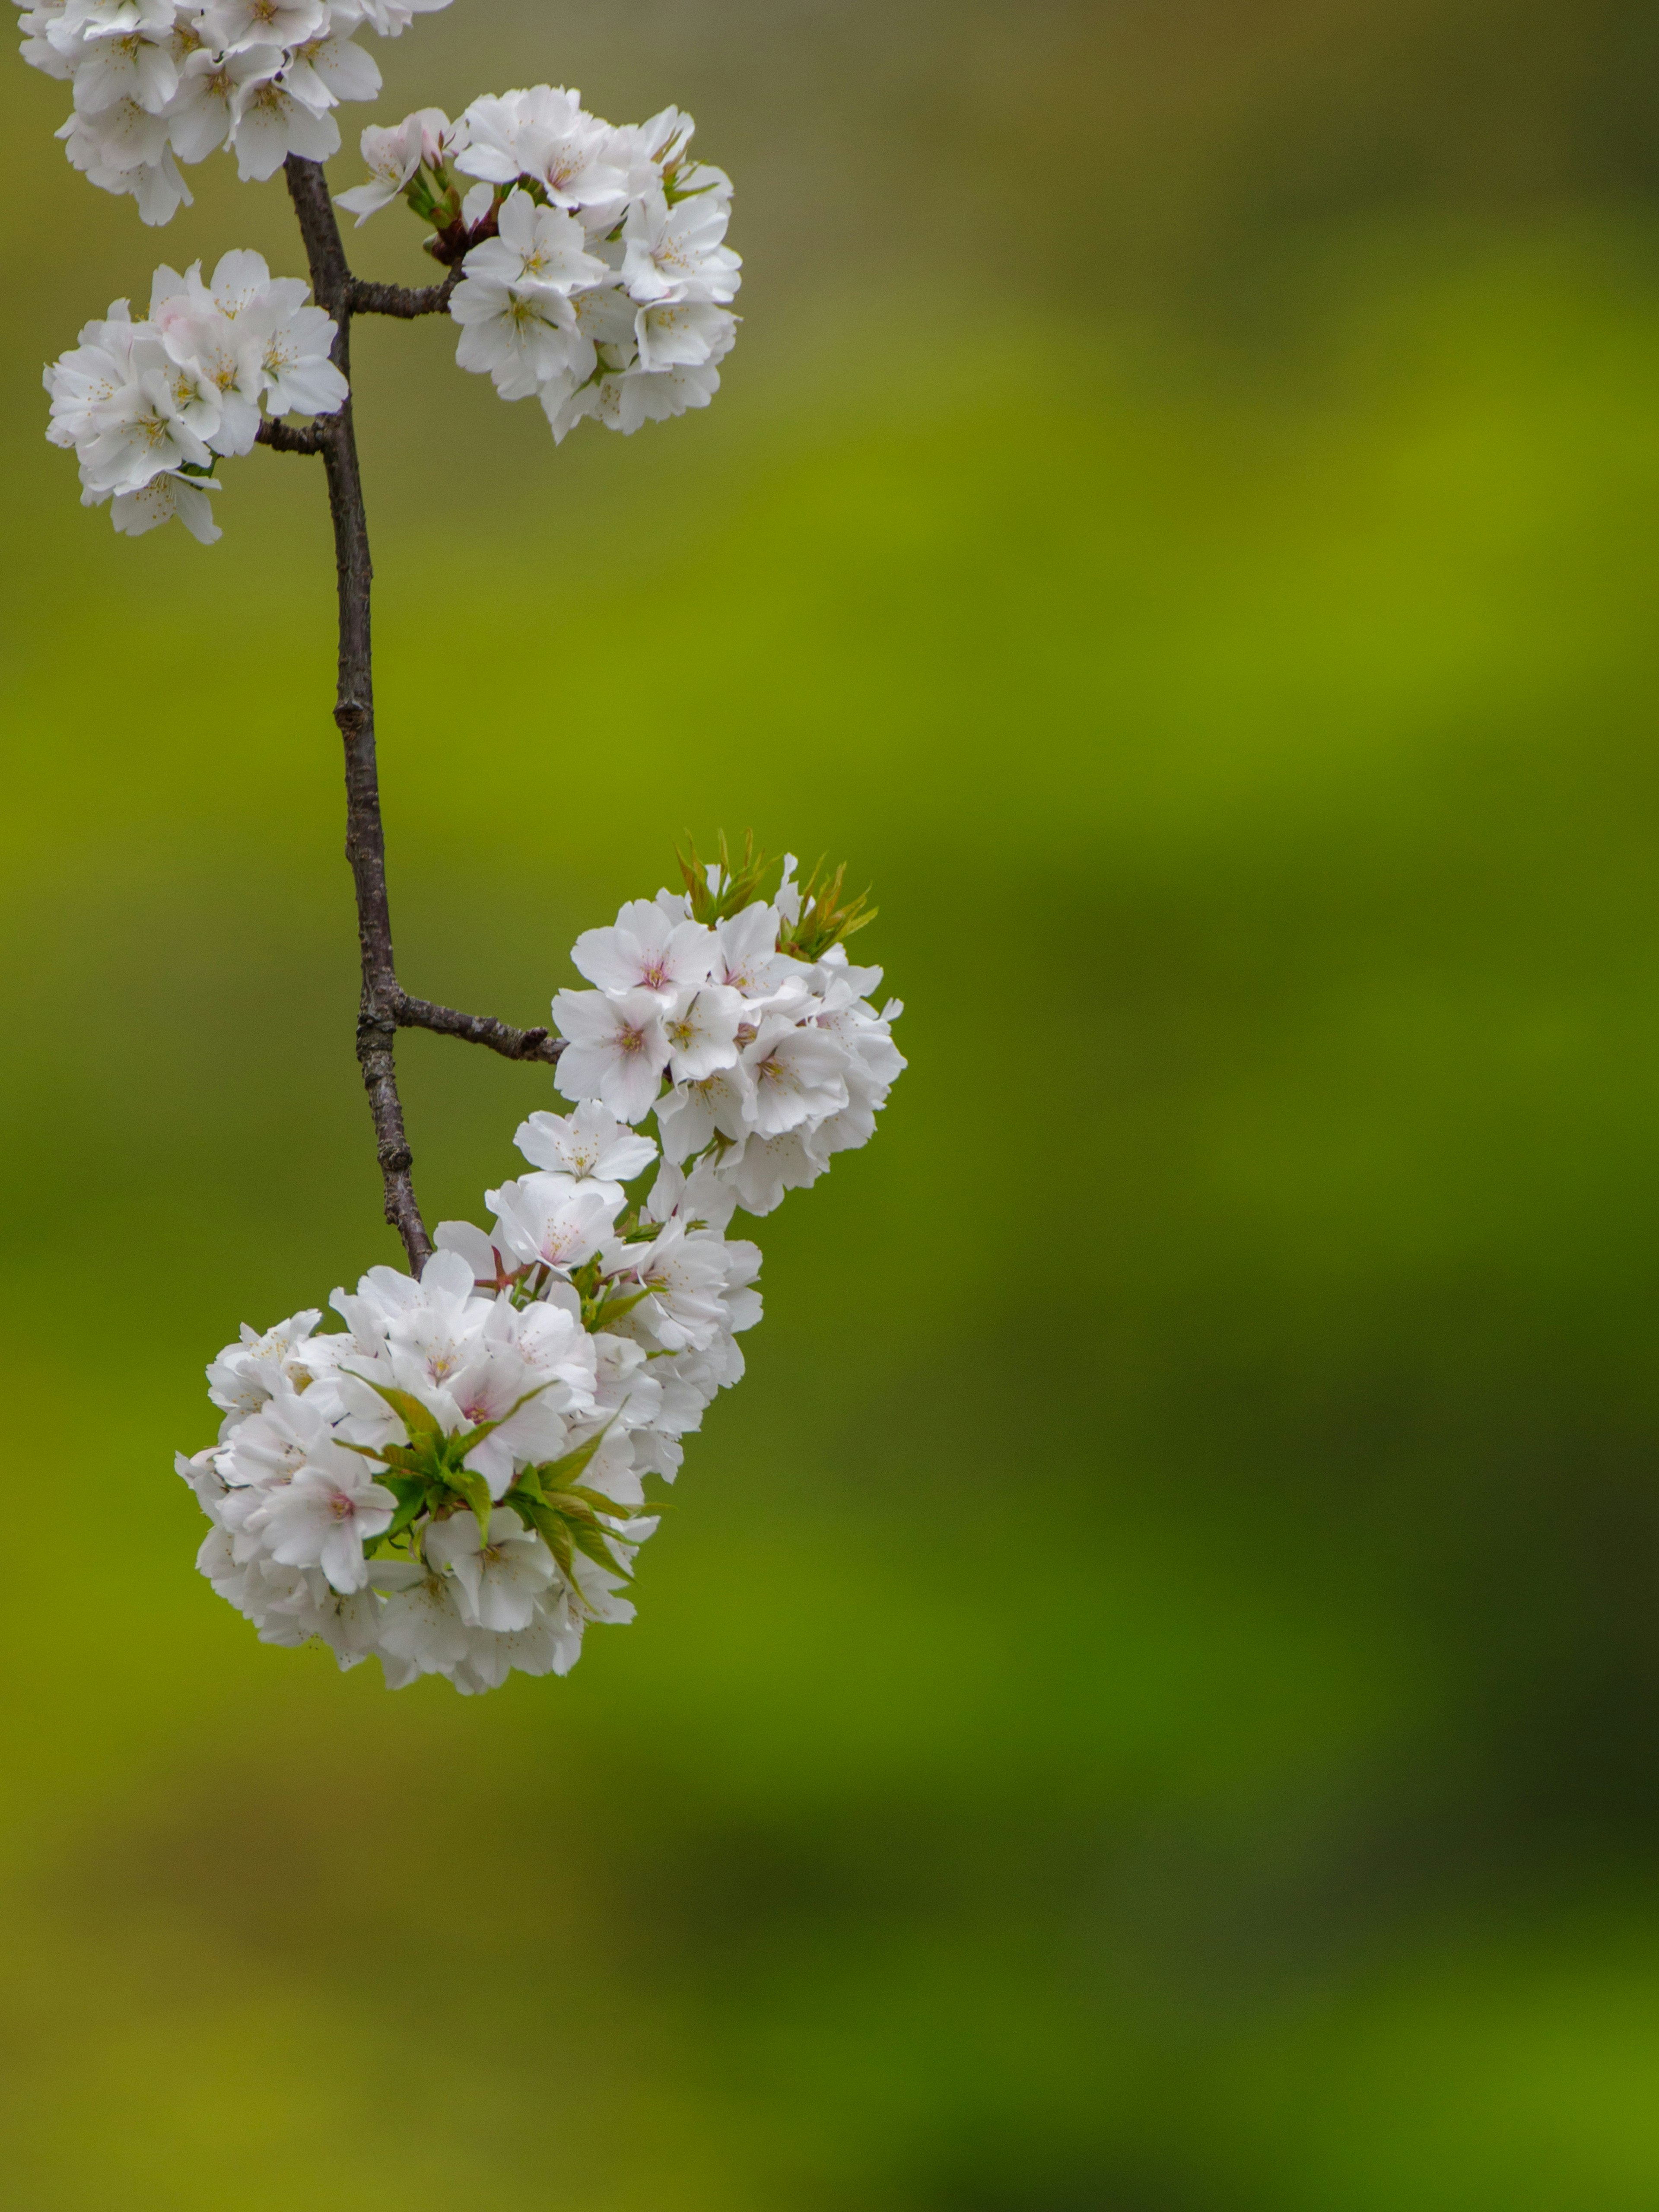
334 289
479 1029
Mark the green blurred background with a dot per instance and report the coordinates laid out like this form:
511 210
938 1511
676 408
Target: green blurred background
1150 1701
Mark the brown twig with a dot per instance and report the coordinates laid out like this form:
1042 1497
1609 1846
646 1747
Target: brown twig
479 1029
333 287
288 437
399 300
384 1006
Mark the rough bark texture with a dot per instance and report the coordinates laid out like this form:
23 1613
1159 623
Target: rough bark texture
479 1029
384 1007
400 300
286 438
377 1014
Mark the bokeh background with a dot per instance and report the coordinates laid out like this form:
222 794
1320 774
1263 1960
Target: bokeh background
1150 1702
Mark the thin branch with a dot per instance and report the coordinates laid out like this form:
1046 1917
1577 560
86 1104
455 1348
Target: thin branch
333 287
284 438
384 1007
399 300
479 1029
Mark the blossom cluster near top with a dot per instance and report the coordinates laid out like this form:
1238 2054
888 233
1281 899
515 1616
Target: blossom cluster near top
600 280
454 1483
160 82
149 407
594 274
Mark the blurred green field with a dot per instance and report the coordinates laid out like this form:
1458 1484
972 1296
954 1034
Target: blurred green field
1150 1700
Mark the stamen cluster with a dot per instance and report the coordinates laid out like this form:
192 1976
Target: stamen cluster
455 1482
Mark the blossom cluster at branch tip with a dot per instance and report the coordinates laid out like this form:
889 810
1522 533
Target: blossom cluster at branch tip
598 279
150 408
454 1482
158 83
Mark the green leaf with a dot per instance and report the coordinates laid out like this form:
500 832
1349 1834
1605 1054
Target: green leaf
557 1535
597 1502
411 1494
826 918
560 1474
476 1491
614 1307
416 1419
737 885
591 1540
381 1456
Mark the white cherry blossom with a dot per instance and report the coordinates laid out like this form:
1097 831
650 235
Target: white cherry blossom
167 499
143 432
762 1169
90 21
204 109
590 1145
519 336
538 249
644 951
701 1029
513 1363
421 1630
269 1447
327 69
694 1113
393 156
796 1074
325 1515
300 377
682 334
231 25
130 67
702 1200
545 134
628 403
675 254
684 1273
116 141
499 1578
551 1220
617 1051
269 120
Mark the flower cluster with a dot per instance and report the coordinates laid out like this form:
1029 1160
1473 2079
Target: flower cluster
599 280
455 1482
149 407
740 1023
160 82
